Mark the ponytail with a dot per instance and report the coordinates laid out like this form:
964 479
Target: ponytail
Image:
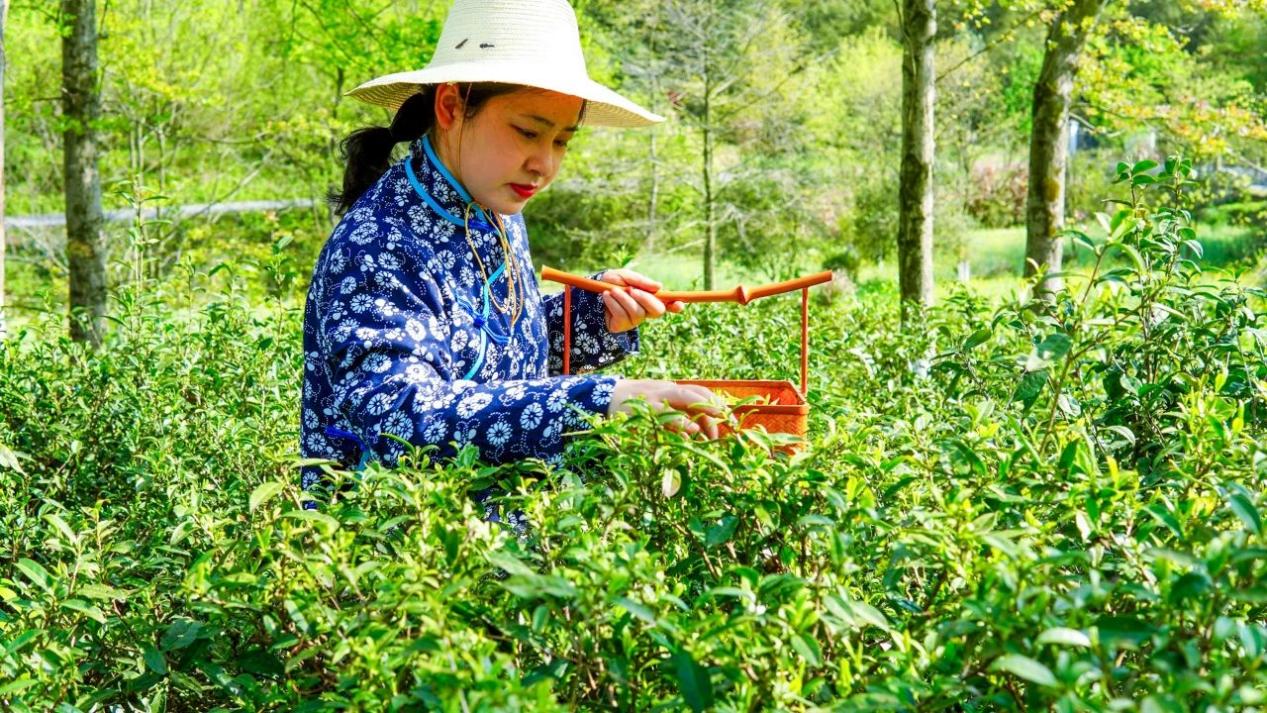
368 151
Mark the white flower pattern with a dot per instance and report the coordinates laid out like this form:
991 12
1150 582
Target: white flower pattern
499 433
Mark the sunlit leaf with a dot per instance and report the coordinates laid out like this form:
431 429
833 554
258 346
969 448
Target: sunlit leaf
1024 667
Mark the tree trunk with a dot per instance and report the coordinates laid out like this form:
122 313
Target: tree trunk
653 197
915 194
710 221
338 91
85 248
4 16
1049 141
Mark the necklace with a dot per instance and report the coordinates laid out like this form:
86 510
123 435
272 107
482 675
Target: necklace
514 289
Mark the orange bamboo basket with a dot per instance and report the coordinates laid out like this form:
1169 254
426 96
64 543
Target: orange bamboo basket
784 408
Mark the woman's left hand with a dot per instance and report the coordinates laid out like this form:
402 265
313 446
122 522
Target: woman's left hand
628 308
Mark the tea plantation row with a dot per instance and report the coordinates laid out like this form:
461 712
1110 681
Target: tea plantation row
1044 503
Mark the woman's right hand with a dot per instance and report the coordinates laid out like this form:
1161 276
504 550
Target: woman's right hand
701 408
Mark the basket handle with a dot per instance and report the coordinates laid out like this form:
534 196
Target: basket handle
741 294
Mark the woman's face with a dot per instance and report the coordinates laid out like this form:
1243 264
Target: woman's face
513 146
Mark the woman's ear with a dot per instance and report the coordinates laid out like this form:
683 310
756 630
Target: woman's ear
448 106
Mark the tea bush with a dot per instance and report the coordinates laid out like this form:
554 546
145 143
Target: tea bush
1042 503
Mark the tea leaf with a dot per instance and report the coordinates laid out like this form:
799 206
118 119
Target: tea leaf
670 482
35 572
155 660
807 647
693 681
263 493
1024 667
1064 636
1243 506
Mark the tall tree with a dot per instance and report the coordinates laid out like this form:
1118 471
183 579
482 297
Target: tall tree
915 193
4 16
1049 139
710 37
726 66
81 105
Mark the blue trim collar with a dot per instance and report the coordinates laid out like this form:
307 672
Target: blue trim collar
433 171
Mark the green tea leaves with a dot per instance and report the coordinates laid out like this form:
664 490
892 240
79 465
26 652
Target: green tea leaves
721 532
693 681
1024 502
1024 667
1242 504
670 482
1063 636
263 493
807 648
36 574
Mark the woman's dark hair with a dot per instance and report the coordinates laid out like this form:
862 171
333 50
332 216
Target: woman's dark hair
368 151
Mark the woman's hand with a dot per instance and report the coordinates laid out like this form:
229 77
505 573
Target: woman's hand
701 409
628 308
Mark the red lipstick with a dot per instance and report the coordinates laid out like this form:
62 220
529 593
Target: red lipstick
522 190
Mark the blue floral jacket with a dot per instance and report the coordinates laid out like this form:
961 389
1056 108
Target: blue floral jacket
401 338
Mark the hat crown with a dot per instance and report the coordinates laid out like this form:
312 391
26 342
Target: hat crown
540 33
532 43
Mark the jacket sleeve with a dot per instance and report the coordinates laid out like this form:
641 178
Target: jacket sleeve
593 346
384 339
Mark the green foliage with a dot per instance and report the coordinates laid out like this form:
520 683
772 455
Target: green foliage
210 101
1029 505
244 100
856 142
1019 70
871 226
846 261
1238 213
1142 75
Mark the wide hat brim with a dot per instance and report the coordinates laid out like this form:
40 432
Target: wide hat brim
604 107
531 43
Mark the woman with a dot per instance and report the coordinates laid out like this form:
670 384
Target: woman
424 321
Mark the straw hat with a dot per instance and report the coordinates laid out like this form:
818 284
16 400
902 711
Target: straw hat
534 43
